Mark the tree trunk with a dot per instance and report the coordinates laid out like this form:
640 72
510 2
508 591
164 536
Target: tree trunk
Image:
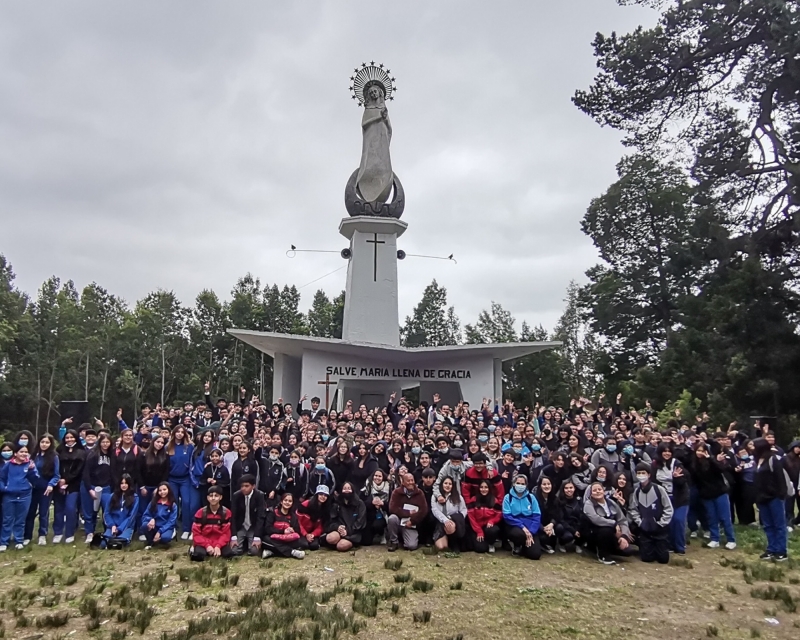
163 373
38 399
50 395
86 382
103 392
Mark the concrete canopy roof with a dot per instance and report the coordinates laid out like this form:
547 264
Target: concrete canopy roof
294 345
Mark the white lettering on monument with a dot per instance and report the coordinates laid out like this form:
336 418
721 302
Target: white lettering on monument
397 372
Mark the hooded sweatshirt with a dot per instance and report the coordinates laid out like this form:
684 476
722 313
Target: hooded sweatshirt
522 511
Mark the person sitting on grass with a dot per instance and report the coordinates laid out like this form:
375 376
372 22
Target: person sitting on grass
120 519
523 519
348 520
605 527
17 478
485 515
211 530
313 515
282 531
160 517
249 516
451 515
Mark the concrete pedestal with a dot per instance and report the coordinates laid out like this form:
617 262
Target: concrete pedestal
370 308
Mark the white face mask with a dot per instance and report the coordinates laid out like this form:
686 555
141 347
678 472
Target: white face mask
642 477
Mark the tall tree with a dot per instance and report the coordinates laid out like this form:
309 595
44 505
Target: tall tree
325 317
494 325
432 323
579 348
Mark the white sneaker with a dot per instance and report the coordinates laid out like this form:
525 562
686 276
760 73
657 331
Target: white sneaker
69 540
693 534
19 547
191 536
707 535
266 554
789 529
491 548
713 545
3 548
185 535
730 546
57 539
298 553
142 538
147 548
42 541
89 538
25 543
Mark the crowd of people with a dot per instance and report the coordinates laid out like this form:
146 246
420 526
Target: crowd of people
239 477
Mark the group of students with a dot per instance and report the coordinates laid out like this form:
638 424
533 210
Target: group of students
241 478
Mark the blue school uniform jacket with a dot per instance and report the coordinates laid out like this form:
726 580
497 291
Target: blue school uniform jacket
18 479
522 511
41 481
180 462
165 516
123 518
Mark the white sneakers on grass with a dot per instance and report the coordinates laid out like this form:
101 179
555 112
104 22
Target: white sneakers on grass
185 535
42 541
89 537
57 539
298 553
69 540
713 544
730 546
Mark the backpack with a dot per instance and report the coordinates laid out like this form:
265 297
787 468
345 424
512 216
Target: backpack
787 481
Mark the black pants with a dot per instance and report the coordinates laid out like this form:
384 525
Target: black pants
305 545
198 554
426 529
603 540
566 537
516 536
654 546
375 527
281 547
456 539
490 535
744 500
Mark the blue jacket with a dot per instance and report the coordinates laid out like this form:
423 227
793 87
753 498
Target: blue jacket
123 518
17 478
180 462
41 481
198 466
165 517
522 511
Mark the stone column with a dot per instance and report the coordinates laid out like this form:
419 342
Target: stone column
370 308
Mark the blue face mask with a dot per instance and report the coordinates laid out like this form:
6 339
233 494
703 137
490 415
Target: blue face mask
611 448
483 438
83 442
744 457
492 428
628 450
22 442
536 447
520 489
7 455
320 467
415 450
325 437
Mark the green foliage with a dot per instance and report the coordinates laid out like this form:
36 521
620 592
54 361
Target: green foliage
432 323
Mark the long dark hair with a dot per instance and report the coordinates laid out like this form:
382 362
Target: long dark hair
761 449
152 457
487 500
118 498
455 496
48 457
63 447
170 495
316 510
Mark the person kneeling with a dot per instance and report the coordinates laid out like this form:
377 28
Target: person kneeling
282 531
605 528
120 519
451 512
160 517
650 509
313 516
211 530
523 519
484 515
348 519
249 517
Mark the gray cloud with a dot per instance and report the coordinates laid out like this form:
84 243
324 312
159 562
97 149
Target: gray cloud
179 145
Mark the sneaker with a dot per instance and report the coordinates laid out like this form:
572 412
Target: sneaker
89 538
767 555
148 547
707 535
142 538
713 545
560 549
298 553
730 546
42 541
789 529
19 547
679 553
25 543
57 539
579 550
548 549
491 548
266 554
391 547
515 550
780 557
3 548
69 540
191 536
693 534
606 561
185 535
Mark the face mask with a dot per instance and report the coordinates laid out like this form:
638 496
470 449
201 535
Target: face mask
458 443
628 450
745 457
537 447
415 450
611 448
320 467
83 442
294 463
23 442
7 455
325 437
642 478
492 428
273 457
519 488
483 438
444 450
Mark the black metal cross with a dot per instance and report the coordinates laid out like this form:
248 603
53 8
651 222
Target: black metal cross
376 242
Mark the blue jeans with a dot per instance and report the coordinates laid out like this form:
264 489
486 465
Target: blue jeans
15 510
677 529
696 511
66 512
188 497
773 519
87 508
40 503
719 510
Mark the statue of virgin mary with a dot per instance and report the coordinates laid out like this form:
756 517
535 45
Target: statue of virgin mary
375 176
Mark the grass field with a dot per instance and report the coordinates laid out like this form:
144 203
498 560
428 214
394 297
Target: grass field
74 592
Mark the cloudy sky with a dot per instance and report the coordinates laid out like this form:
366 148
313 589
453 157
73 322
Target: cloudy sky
179 145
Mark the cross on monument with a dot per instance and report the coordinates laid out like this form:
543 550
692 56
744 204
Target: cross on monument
375 243
327 382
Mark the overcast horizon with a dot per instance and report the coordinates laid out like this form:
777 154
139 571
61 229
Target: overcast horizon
182 145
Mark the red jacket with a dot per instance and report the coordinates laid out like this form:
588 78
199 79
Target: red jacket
469 485
277 523
307 525
212 529
482 517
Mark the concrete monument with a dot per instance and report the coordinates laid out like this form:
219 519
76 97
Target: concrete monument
369 363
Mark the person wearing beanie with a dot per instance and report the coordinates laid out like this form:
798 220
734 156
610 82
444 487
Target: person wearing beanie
650 510
211 530
522 519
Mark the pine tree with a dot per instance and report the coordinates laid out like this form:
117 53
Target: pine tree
433 323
